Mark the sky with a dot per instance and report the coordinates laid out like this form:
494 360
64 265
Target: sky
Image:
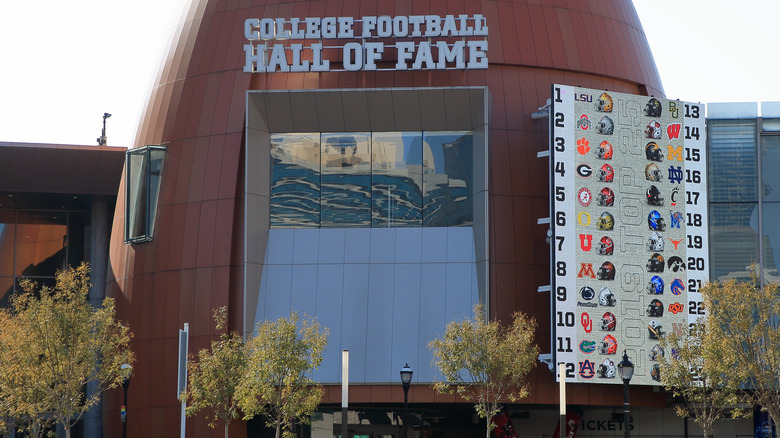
65 63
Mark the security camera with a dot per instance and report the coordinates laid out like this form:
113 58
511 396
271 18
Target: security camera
106 115
542 114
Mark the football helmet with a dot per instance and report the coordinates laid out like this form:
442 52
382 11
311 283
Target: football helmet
653 153
608 322
655 308
606 197
607 127
655 242
653 108
653 173
587 293
605 222
605 103
656 353
608 345
604 151
655 286
605 246
656 263
606 369
607 298
606 173
655 222
655 373
654 329
606 271
675 263
653 130
654 196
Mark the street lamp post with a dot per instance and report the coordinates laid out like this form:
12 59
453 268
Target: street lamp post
406 379
127 372
102 139
626 371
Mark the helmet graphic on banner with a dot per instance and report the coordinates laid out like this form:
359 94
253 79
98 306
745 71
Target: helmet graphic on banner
605 103
653 152
608 322
604 151
655 222
654 329
587 293
653 130
654 196
606 297
605 222
608 345
605 246
653 173
655 373
655 264
653 108
655 242
656 353
606 271
606 197
655 286
655 308
606 369
606 173
606 126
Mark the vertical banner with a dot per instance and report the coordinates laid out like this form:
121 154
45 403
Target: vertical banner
629 220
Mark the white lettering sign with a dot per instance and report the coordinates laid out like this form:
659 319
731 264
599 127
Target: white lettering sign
279 44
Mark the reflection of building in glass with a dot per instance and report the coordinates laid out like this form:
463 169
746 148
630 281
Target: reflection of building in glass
743 189
387 179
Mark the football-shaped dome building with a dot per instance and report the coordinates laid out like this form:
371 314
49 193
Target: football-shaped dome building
383 286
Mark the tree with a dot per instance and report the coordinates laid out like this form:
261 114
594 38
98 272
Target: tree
282 355
214 379
22 403
485 361
66 343
693 367
744 319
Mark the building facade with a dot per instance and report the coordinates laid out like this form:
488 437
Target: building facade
385 196
743 151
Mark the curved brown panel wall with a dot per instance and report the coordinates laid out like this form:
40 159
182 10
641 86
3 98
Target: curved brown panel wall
197 108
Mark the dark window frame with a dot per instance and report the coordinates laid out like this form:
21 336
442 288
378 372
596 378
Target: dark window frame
142 192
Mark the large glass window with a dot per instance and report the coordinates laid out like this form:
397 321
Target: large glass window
770 179
448 178
380 179
37 244
295 180
397 179
733 197
143 172
346 180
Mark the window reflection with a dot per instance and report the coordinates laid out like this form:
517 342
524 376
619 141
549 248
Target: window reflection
295 180
143 173
37 244
7 234
346 180
396 189
6 291
770 178
447 179
361 179
41 244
